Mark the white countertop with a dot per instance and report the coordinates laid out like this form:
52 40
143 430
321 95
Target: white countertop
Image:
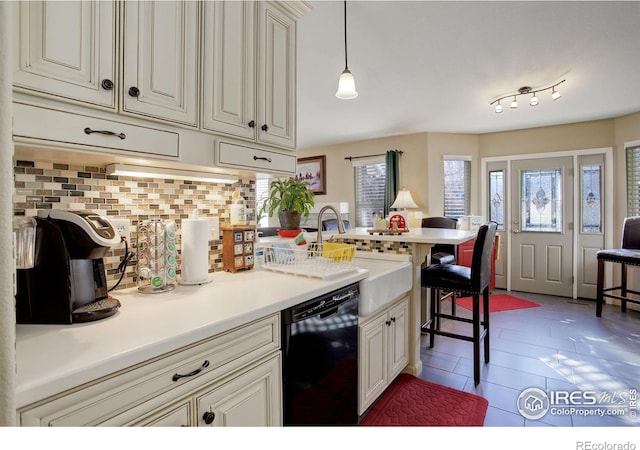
54 358
414 235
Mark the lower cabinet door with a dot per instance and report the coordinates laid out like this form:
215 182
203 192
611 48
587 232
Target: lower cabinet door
398 338
373 354
252 398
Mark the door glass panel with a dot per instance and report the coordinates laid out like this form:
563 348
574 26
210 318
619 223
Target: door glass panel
591 206
496 197
541 200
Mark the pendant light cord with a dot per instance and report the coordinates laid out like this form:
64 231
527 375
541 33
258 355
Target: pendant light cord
346 66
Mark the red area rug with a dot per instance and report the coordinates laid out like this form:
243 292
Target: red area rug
412 401
498 302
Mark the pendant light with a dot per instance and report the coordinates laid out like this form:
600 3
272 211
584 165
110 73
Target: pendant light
346 84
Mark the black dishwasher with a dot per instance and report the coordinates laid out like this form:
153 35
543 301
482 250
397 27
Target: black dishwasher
320 363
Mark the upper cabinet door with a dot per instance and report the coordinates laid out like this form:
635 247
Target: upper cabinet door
276 76
229 68
160 74
67 49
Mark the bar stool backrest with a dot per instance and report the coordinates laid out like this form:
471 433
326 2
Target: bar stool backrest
631 233
481 260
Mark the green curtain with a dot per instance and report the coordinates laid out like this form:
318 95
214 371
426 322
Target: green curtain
392 180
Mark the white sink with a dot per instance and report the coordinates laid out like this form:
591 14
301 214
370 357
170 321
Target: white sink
388 279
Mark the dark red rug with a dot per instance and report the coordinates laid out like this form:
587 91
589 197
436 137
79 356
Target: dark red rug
412 401
498 302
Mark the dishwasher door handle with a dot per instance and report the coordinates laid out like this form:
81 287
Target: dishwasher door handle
328 313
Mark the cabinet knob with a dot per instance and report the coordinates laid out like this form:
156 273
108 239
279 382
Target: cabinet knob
265 127
134 91
209 417
107 84
252 124
388 323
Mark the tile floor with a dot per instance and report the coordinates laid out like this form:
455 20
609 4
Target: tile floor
559 346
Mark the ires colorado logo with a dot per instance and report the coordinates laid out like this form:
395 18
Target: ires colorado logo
534 403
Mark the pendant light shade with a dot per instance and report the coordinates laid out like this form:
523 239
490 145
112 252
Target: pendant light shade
346 84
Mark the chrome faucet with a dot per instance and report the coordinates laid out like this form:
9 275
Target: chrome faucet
340 223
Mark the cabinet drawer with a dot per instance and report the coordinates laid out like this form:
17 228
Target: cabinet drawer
51 125
120 398
247 157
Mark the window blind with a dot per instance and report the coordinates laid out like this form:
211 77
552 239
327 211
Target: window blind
633 181
369 189
262 192
457 186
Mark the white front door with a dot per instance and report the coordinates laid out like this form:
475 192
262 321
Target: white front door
542 226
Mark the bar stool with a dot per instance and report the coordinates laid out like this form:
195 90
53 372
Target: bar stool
629 254
442 254
472 280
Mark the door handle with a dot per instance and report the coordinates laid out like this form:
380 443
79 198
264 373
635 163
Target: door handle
515 231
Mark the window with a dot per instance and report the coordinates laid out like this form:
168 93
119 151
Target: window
457 187
369 179
590 198
496 197
633 181
262 191
541 197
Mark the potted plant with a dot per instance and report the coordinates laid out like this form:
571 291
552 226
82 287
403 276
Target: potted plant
291 199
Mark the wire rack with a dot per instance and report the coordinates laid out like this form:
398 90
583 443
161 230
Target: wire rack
325 261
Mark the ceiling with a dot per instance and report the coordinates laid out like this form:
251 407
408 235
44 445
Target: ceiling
424 66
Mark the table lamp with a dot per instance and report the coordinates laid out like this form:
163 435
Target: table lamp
404 201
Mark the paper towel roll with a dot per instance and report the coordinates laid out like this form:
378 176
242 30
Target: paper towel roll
195 251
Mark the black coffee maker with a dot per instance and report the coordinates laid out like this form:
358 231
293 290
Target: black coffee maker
66 282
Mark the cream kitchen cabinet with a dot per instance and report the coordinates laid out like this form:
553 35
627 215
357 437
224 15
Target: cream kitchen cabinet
253 398
234 377
71 50
383 345
160 59
67 49
249 75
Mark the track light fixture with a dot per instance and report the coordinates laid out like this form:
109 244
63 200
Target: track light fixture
525 90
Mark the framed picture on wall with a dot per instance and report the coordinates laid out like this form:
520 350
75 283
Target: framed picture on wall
312 169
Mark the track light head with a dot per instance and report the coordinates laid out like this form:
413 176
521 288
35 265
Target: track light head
534 100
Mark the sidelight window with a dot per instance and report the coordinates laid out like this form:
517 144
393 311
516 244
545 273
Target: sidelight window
591 195
496 197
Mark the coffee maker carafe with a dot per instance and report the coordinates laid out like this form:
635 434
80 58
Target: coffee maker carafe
67 282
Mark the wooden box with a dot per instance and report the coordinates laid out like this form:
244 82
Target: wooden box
238 247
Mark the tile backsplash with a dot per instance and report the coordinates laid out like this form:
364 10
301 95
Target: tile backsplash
47 185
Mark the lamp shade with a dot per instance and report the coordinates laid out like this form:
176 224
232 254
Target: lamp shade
346 86
404 200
